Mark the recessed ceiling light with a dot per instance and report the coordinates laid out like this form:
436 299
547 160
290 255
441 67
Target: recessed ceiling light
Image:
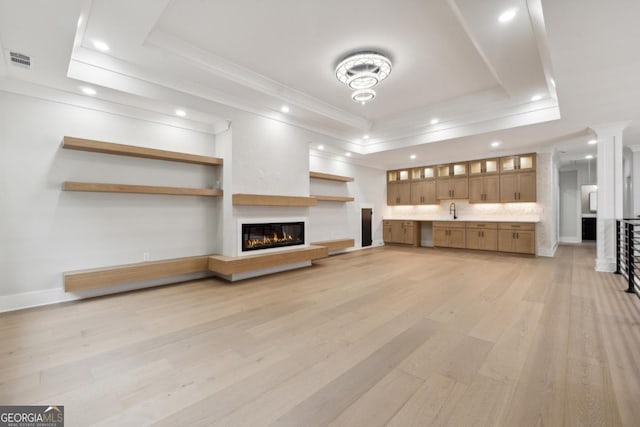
507 15
495 143
593 141
320 147
588 156
88 90
284 109
435 121
348 154
100 45
181 113
536 98
365 137
413 156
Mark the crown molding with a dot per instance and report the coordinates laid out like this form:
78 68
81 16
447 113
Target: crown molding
233 72
46 93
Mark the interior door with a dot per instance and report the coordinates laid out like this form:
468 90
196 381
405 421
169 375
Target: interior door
367 217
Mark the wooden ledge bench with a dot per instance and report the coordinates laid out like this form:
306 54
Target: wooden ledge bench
122 274
334 245
231 265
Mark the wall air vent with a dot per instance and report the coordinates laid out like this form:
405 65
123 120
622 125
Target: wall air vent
20 59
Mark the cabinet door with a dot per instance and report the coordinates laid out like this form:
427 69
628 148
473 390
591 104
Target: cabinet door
404 193
506 241
491 187
473 239
408 236
527 162
489 241
443 189
387 232
508 187
440 237
476 189
416 193
457 238
527 187
525 242
429 192
392 194
460 187
397 232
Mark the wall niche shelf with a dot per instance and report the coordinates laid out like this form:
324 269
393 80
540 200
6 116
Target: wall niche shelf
80 144
333 198
330 177
138 189
272 200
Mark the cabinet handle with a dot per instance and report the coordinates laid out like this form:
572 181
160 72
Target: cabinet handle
515 196
517 235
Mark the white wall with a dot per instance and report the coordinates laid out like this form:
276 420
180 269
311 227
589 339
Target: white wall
336 220
45 231
570 230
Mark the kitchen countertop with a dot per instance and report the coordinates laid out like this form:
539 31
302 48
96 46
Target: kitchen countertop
528 219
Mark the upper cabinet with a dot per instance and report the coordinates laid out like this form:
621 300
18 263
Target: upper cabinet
453 170
484 167
509 179
520 163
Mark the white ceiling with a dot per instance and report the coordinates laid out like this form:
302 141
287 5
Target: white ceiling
452 60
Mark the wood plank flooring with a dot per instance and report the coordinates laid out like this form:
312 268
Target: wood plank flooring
386 336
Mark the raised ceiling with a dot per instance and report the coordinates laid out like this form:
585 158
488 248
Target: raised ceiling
453 60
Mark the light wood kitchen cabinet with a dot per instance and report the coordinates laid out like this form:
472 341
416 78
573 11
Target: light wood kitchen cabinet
423 193
517 238
399 193
401 232
484 189
449 234
518 187
452 188
482 236
519 163
484 166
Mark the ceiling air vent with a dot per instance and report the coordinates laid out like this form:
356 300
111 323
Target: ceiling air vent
20 59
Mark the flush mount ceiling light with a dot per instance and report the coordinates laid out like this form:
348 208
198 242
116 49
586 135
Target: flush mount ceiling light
284 109
181 113
593 141
361 72
100 45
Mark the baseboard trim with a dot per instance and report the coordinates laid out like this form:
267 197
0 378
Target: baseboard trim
606 265
570 240
548 252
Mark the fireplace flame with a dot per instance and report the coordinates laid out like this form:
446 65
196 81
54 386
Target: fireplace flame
265 241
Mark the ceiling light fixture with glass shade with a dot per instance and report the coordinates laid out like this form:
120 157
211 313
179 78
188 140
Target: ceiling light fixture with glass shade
361 72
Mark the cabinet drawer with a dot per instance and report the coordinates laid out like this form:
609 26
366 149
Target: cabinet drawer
483 225
408 223
448 224
517 226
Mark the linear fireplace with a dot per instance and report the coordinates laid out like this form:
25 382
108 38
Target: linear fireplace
269 235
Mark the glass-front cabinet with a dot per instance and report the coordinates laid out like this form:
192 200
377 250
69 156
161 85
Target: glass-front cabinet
521 163
453 169
483 167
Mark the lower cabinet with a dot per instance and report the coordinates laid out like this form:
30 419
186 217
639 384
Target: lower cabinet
517 237
449 234
482 236
401 232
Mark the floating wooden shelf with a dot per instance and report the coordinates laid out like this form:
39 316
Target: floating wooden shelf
133 151
229 265
142 189
333 198
330 177
118 275
334 245
267 200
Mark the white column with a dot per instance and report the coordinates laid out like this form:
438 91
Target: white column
610 192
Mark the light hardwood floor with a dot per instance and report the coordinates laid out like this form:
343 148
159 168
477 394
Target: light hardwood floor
386 336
